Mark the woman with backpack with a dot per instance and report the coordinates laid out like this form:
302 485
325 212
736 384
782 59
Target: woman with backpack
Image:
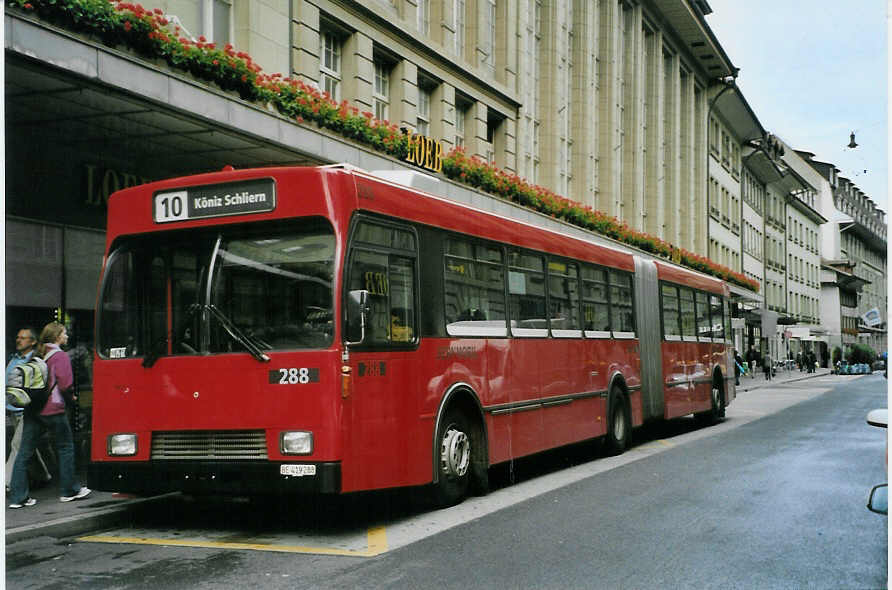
50 416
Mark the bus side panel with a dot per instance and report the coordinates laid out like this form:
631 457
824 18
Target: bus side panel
521 383
677 360
565 373
701 376
624 359
716 357
499 426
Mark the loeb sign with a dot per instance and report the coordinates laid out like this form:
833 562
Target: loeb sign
425 152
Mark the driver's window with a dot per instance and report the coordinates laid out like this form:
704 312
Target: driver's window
389 278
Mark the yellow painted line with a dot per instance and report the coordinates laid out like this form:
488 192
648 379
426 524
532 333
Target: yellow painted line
655 444
376 544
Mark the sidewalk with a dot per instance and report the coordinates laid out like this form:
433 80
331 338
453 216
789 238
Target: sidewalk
59 519
105 509
748 383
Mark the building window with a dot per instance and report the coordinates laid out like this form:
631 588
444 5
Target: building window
381 94
216 21
424 17
488 36
462 109
330 64
459 22
423 125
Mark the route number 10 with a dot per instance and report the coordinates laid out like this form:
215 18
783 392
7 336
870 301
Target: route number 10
170 207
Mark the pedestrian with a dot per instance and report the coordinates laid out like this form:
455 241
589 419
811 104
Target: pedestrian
51 417
766 366
738 367
25 343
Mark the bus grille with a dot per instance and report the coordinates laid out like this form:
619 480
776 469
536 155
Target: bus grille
209 444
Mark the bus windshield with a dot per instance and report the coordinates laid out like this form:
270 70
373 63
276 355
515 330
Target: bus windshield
230 289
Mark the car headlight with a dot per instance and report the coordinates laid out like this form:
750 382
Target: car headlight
121 445
296 442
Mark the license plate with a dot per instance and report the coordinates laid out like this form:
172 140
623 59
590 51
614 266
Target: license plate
297 470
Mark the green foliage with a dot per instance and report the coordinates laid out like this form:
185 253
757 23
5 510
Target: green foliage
861 353
836 355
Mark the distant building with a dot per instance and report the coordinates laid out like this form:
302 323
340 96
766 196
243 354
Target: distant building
854 297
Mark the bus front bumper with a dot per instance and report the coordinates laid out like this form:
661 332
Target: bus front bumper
211 477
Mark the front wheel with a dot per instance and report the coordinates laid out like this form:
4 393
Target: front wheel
454 452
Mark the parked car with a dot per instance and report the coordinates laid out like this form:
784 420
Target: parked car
878 500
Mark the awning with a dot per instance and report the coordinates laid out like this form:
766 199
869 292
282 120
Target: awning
743 295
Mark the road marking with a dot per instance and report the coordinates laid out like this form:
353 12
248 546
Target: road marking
376 544
654 444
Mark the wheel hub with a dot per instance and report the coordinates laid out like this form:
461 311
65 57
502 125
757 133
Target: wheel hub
455 453
619 425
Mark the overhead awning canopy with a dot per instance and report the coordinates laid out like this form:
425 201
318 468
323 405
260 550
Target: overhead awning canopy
862 329
745 296
865 234
739 116
687 19
761 165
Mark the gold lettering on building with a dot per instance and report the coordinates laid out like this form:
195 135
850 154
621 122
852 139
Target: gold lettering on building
425 152
102 182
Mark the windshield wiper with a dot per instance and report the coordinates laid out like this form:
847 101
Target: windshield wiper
237 334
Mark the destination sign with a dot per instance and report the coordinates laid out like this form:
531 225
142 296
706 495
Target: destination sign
217 200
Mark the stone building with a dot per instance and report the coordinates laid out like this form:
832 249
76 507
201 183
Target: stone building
854 296
628 106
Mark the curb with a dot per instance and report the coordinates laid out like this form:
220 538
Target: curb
742 389
78 524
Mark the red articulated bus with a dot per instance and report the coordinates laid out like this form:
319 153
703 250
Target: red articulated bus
325 330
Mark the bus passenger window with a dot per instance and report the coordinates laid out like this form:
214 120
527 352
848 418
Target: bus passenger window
688 320
526 293
718 324
671 325
622 318
704 327
563 297
595 310
474 283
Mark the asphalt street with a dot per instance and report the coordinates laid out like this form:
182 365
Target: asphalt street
774 497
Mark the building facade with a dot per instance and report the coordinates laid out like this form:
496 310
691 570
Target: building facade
854 295
627 106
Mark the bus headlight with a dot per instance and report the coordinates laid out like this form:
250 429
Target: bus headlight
296 442
121 445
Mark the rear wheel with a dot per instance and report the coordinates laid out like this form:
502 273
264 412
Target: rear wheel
618 423
454 453
717 405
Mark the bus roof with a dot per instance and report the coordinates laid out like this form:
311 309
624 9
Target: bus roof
343 188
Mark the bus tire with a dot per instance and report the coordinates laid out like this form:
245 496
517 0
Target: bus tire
618 423
717 404
455 440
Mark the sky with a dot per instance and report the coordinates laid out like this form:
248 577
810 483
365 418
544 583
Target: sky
813 72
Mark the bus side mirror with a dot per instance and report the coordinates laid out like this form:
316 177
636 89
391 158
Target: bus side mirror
358 309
